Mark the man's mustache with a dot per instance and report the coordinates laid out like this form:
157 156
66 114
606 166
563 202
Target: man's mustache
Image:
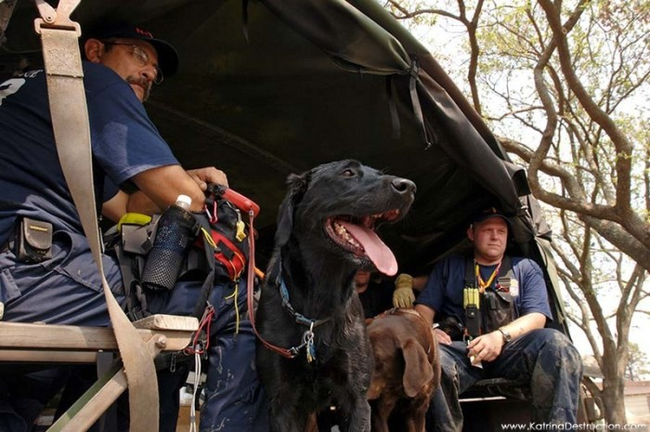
142 82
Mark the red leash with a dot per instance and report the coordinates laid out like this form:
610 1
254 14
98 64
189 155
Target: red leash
250 281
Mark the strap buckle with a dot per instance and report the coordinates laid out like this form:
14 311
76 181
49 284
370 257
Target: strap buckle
58 18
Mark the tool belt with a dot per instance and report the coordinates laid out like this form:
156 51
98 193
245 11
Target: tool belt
220 250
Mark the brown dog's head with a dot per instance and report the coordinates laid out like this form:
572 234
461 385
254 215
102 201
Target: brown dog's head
406 356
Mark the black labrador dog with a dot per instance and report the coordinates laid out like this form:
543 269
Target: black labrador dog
314 349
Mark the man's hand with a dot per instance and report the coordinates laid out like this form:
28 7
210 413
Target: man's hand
442 337
486 347
207 175
403 295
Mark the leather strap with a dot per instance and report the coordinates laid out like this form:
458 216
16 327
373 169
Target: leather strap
64 73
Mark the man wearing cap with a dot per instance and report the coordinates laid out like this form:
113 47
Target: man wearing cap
515 344
122 63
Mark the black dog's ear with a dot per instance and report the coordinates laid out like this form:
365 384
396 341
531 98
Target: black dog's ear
297 185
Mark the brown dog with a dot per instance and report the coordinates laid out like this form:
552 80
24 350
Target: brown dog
407 368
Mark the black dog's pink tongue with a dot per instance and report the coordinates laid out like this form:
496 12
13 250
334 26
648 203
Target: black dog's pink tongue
376 250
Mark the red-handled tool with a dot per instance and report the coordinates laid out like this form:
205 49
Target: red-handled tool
240 201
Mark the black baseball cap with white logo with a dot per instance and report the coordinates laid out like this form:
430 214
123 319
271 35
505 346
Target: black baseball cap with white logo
113 28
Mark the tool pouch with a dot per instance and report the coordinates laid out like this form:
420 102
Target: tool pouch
33 241
472 305
472 321
225 234
497 308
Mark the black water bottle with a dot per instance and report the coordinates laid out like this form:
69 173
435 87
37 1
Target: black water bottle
174 234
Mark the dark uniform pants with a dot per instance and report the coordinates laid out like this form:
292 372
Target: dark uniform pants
545 358
234 399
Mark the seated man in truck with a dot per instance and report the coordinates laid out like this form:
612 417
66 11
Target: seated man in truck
490 311
62 285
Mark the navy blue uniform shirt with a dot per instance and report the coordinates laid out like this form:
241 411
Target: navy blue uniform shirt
124 143
444 290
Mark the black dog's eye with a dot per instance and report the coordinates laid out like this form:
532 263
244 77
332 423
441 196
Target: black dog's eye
348 173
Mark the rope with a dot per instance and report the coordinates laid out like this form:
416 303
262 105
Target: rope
196 382
235 295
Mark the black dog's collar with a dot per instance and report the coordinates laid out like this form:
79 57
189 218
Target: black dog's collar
300 318
308 336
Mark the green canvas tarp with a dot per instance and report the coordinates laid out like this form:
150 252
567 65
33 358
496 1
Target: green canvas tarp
272 87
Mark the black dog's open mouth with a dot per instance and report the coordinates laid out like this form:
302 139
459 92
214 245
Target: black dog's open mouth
357 235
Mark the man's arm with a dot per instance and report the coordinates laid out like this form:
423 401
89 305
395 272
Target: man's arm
429 314
159 188
419 282
524 324
487 347
162 185
114 208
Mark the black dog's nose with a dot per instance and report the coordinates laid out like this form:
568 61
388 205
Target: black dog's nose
403 185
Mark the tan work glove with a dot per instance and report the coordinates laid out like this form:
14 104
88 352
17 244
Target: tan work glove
403 295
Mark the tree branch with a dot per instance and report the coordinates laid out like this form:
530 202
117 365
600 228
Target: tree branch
620 141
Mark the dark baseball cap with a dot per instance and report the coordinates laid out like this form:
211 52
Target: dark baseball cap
489 213
113 28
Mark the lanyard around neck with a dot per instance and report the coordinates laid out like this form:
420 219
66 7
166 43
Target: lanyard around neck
484 284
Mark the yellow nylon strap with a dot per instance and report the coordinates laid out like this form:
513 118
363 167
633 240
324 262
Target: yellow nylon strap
133 219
